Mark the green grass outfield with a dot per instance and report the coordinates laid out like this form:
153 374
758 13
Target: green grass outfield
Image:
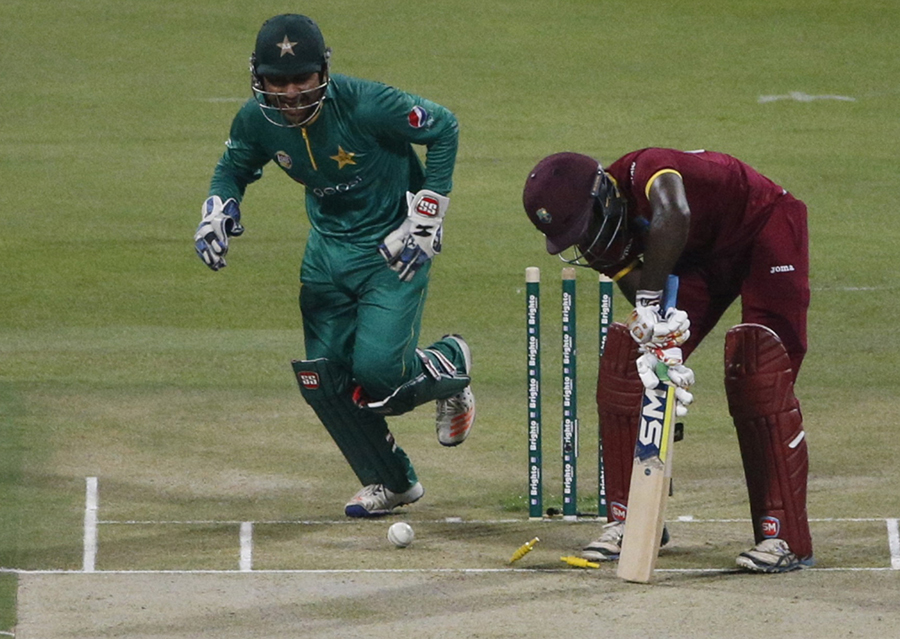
124 358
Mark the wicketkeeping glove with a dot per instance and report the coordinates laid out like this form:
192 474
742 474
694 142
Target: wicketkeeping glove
220 221
418 239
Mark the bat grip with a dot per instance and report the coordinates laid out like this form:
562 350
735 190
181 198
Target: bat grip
670 294
670 300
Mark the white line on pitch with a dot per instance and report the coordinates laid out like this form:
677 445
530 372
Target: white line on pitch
353 571
800 96
91 503
683 519
894 542
246 563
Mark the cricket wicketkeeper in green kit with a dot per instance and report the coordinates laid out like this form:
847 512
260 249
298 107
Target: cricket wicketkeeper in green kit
376 215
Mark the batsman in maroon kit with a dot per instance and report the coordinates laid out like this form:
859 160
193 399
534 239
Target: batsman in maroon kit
726 231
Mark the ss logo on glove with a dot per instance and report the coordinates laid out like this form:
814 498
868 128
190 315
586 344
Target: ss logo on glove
428 206
418 239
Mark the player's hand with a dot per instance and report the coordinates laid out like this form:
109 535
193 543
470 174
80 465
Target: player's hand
418 239
655 362
671 356
681 376
673 330
683 399
646 368
220 220
645 315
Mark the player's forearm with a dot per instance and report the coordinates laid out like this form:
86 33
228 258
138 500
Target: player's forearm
663 250
440 159
668 232
230 180
628 284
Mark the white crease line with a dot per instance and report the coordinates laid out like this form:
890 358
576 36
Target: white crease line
681 519
894 542
246 562
355 571
91 503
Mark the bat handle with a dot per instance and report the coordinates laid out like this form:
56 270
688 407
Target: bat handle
670 300
670 294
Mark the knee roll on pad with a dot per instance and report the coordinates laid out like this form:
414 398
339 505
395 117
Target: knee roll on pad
766 414
758 373
619 393
362 436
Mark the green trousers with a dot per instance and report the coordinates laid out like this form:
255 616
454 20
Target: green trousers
360 318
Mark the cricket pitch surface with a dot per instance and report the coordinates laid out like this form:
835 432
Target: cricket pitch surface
456 603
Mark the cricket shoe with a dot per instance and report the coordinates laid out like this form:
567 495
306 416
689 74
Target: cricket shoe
375 500
456 414
771 556
609 545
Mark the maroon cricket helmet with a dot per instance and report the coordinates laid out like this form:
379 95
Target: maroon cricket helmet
559 198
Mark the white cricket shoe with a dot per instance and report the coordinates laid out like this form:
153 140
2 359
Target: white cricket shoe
456 414
375 500
609 545
771 556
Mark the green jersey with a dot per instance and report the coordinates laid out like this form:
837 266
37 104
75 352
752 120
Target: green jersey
355 159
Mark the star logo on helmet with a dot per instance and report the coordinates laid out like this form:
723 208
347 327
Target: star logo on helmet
286 46
543 215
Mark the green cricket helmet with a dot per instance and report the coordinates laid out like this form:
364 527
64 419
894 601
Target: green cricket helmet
576 204
289 46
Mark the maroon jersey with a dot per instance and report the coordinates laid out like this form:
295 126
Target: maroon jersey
730 201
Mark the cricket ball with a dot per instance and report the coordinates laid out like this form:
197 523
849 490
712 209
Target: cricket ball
401 534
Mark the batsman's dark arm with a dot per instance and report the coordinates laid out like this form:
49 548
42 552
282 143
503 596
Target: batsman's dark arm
668 231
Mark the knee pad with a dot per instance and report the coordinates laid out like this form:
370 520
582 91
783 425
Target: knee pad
760 390
361 435
619 393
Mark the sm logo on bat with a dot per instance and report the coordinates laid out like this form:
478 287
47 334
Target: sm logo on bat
651 435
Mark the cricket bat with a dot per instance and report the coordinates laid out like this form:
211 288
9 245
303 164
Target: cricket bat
651 474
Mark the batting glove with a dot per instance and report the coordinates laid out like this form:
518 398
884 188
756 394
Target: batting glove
646 368
645 315
418 239
220 221
683 399
654 363
673 330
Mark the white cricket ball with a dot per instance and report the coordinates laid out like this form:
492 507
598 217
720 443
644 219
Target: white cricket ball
401 534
